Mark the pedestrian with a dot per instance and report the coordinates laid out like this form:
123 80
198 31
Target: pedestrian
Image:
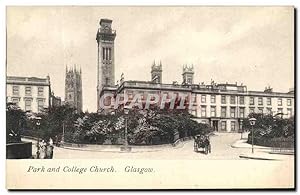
50 141
43 149
50 149
208 143
56 141
38 149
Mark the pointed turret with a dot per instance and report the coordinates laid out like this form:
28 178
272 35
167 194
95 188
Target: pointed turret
156 72
188 74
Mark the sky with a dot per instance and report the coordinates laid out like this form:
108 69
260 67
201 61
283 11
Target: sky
249 45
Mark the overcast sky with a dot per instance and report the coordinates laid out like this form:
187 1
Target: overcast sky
253 46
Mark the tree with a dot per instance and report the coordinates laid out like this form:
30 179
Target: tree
160 126
15 120
54 119
152 126
263 124
268 127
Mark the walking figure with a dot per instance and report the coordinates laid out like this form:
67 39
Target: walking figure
43 148
38 149
56 141
50 149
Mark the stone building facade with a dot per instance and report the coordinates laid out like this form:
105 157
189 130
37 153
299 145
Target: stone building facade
223 106
55 100
29 93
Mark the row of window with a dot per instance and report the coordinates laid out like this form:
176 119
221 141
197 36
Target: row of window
233 99
233 126
241 111
242 100
28 90
223 99
28 104
106 53
223 112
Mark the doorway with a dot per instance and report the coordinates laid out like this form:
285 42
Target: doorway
215 126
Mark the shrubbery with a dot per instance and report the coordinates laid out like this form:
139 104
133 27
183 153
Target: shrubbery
145 127
15 119
268 127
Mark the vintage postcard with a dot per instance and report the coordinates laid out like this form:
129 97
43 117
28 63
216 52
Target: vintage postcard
150 97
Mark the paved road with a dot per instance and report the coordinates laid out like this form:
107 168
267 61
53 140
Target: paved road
222 167
221 149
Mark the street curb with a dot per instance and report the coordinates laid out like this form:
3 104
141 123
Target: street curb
134 149
283 153
234 145
256 158
110 151
179 145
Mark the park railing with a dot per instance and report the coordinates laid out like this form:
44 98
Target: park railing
284 147
277 144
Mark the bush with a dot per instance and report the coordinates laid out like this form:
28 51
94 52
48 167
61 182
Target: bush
269 129
145 127
280 142
15 120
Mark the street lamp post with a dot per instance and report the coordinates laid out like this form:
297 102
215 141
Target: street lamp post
241 125
126 111
125 146
63 134
252 123
38 123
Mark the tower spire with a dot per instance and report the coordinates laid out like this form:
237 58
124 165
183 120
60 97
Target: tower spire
156 72
73 88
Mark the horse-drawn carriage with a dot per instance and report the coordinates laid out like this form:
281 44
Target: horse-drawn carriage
202 141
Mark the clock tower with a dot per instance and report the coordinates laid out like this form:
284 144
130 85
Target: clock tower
106 61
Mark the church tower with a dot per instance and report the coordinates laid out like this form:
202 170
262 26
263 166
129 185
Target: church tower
73 88
188 75
106 61
156 73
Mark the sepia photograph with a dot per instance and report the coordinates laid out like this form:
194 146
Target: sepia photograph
143 93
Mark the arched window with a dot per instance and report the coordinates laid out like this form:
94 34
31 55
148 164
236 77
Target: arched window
106 54
103 53
109 53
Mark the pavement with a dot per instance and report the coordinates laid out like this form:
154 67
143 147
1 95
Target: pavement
243 144
115 148
119 149
225 146
261 156
260 152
